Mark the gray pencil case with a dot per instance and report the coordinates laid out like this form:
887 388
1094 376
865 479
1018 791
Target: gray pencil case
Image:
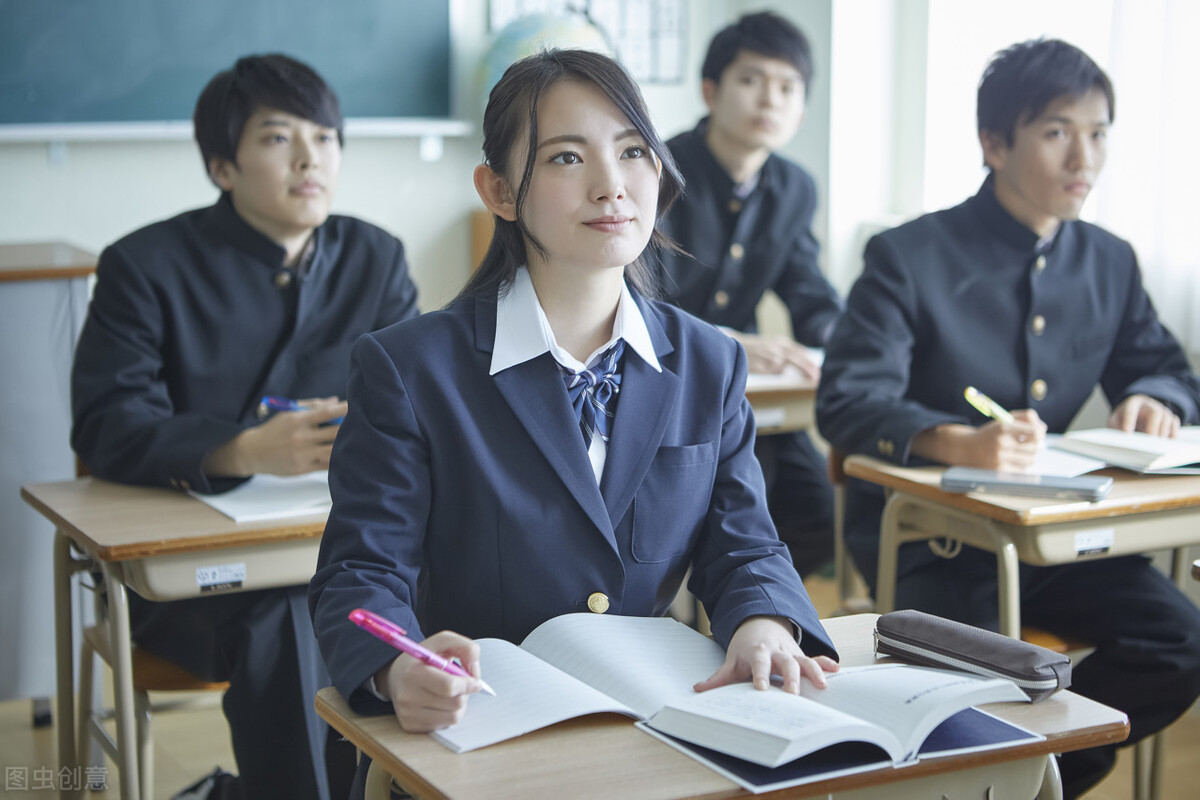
928 640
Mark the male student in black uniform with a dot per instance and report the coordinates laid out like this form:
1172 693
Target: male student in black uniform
745 222
193 321
1009 292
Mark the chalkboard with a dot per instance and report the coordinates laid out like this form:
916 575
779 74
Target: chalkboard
87 61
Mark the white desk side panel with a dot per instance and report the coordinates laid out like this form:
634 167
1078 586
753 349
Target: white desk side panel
39 324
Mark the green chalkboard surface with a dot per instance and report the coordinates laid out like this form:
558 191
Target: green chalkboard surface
67 61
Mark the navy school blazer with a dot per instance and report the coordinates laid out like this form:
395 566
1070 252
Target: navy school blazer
467 502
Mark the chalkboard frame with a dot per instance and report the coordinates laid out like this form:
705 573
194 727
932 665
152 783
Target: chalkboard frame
371 107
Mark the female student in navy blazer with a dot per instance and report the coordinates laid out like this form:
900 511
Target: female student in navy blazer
466 502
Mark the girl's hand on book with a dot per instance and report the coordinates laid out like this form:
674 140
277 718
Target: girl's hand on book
426 698
1141 412
765 646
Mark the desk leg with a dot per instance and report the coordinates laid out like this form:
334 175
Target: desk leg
889 549
64 656
1009 586
378 783
122 674
1051 781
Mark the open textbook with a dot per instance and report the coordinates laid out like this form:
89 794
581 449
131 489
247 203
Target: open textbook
1140 452
645 668
273 497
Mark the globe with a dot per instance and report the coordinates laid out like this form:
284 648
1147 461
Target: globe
530 34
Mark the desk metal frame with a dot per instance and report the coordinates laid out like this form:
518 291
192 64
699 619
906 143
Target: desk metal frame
1138 517
1142 514
125 532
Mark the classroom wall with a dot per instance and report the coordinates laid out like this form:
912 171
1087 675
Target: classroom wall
91 193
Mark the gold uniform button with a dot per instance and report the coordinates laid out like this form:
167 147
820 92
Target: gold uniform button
1038 324
1038 389
735 206
1040 264
736 250
283 279
721 298
597 602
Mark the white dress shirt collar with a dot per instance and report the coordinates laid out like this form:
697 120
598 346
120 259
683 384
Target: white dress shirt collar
523 331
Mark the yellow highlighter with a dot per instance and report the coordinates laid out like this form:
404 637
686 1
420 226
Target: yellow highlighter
986 405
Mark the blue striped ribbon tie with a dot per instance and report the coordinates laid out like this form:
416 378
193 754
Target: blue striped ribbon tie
593 393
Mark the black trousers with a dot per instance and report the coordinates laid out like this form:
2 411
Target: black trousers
799 497
262 643
1146 634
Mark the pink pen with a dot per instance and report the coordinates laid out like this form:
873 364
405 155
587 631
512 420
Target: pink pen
394 635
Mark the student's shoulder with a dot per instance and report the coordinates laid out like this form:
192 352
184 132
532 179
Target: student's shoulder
171 229
685 330
353 230
1102 239
153 246
447 327
930 231
788 173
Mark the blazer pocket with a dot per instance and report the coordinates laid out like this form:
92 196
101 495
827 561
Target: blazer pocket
672 503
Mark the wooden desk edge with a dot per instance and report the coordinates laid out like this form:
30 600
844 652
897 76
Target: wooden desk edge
332 707
338 712
864 467
267 531
858 466
44 273
41 261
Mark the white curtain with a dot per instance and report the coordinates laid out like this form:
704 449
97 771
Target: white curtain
1151 184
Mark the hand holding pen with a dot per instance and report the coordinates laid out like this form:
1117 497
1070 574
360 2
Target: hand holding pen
424 699
1011 443
397 637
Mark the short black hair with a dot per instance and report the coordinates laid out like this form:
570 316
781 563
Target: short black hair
764 33
1020 81
511 112
274 81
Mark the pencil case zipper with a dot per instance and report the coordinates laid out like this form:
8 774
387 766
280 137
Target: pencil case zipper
938 659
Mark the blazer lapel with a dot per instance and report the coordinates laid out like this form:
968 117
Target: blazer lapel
646 405
535 393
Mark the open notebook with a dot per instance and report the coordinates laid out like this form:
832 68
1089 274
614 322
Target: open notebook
273 497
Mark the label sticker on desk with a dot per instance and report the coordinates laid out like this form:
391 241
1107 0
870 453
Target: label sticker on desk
1094 542
220 578
772 417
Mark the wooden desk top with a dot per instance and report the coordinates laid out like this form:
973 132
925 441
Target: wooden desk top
40 261
766 388
115 522
1131 494
605 756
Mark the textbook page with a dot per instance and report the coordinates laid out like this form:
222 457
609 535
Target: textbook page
894 706
631 663
530 694
1140 452
645 662
273 497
